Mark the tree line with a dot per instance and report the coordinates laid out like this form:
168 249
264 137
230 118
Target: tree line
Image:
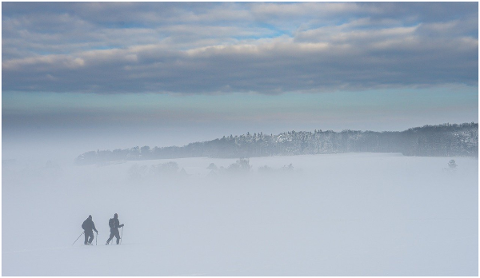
430 140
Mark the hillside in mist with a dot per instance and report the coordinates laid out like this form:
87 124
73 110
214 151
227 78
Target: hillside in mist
439 140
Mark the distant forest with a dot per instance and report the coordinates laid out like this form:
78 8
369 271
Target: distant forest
438 140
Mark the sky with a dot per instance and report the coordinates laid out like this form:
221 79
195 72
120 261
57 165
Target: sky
117 75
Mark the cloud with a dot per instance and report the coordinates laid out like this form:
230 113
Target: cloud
227 47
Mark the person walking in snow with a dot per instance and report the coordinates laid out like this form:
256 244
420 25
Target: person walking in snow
88 227
114 225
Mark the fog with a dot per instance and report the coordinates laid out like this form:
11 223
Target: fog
99 81
333 214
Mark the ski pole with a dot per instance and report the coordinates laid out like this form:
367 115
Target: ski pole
96 238
78 238
121 238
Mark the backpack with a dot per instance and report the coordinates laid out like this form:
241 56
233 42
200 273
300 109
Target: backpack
111 223
83 225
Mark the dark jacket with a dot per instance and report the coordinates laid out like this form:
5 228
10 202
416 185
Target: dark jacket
114 224
88 225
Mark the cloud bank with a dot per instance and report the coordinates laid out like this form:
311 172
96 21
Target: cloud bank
264 48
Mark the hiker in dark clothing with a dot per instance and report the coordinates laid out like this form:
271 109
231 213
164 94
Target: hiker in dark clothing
88 226
114 225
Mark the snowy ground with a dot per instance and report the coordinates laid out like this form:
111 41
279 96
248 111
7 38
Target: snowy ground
344 214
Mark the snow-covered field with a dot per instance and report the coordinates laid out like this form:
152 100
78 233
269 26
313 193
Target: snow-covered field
343 214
